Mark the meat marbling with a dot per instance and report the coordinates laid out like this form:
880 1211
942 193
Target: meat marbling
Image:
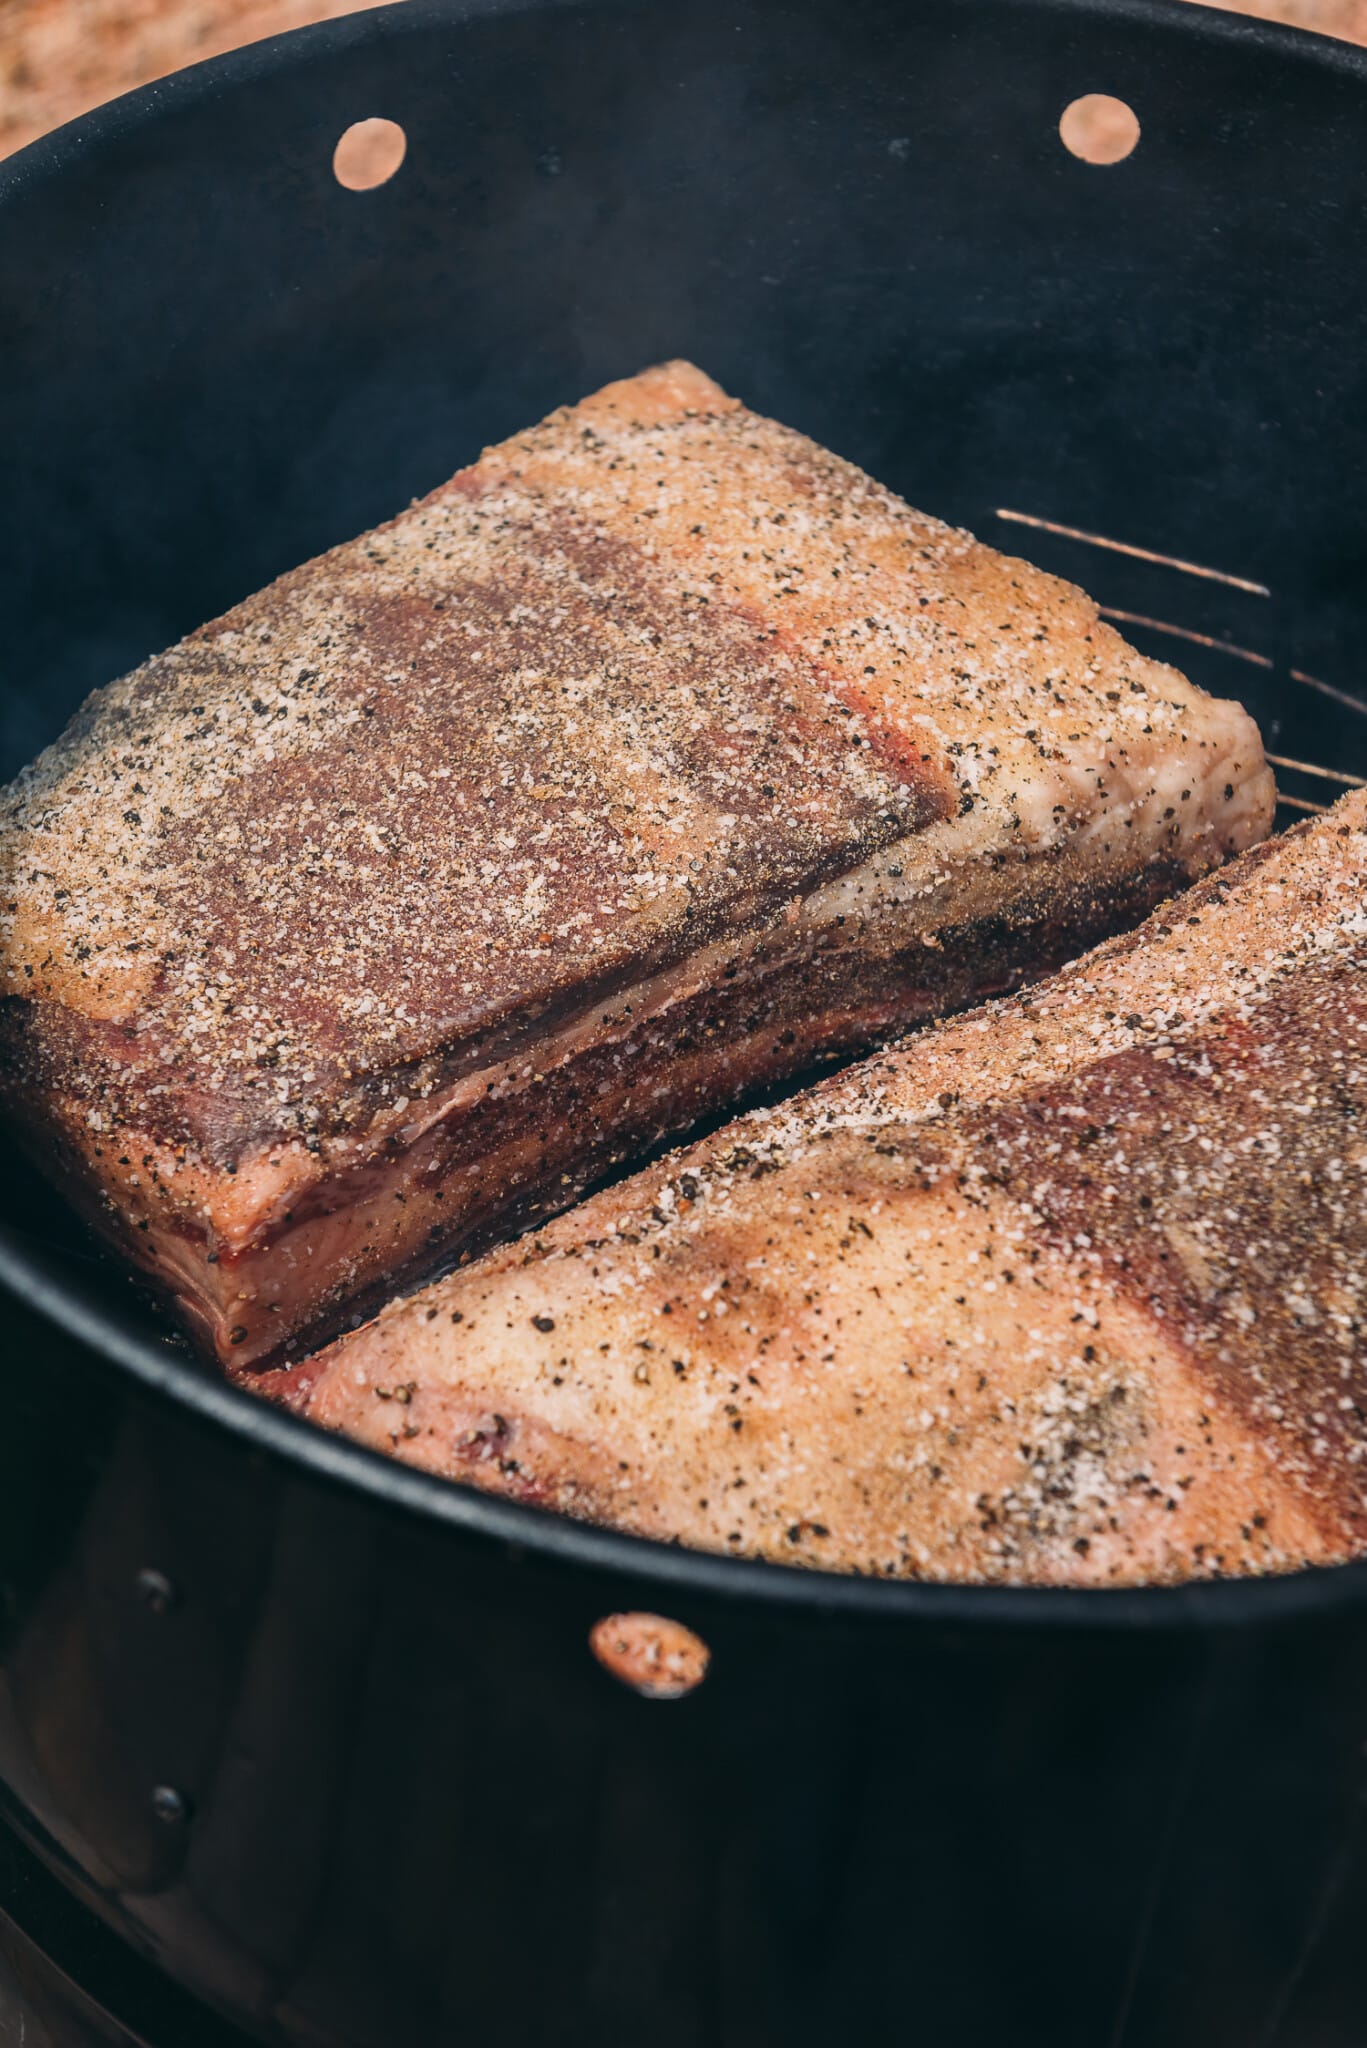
653 757
1072 1289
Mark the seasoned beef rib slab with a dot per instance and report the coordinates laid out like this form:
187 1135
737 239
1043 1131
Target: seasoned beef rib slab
651 758
1071 1289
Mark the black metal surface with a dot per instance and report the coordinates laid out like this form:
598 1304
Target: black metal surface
341 1770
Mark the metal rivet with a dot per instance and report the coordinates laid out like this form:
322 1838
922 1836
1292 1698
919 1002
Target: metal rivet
656 1657
155 1590
169 1805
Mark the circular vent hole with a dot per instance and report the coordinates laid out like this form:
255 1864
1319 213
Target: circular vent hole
660 1659
368 154
1100 129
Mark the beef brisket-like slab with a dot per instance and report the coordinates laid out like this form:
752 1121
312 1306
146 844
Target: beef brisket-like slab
1073 1289
647 760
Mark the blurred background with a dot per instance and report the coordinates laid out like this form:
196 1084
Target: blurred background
59 57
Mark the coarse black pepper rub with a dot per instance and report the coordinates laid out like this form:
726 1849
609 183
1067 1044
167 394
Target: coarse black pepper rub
653 756
1072 1289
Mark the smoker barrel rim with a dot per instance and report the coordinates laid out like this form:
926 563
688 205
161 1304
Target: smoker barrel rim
285 1440
180 90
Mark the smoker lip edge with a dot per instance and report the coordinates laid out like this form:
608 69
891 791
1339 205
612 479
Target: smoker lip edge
48 155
